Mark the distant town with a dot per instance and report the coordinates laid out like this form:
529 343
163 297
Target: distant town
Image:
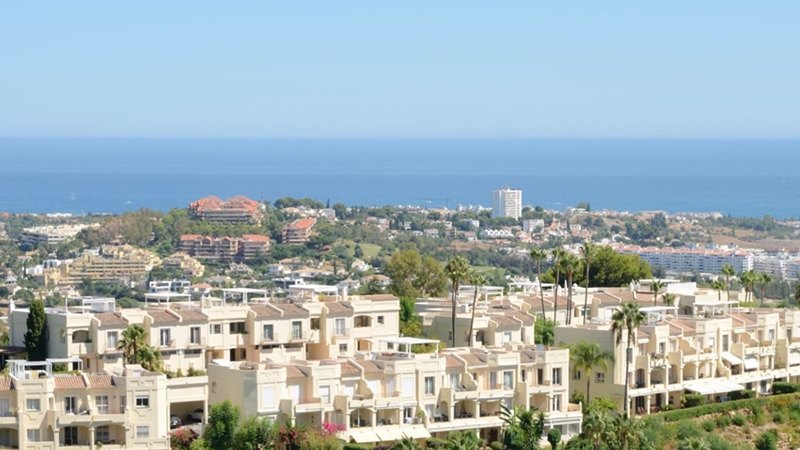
379 325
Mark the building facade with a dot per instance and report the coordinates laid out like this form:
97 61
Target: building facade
507 203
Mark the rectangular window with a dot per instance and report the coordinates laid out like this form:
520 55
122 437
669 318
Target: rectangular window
725 340
5 407
315 323
216 328
381 320
102 434
70 405
142 401
342 348
662 347
101 403
506 337
165 337
492 380
33 435
142 431
339 327
556 405
194 335
771 335
70 435
508 379
576 374
430 386
32 404
297 330
600 377
111 338
540 376
269 334
557 376
268 397
5 437
237 328
325 394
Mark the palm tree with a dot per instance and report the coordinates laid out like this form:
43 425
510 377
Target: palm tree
149 358
558 254
764 279
587 249
569 265
463 440
538 255
586 357
728 272
625 321
630 432
406 443
719 286
668 299
748 280
657 286
457 270
522 428
477 280
133 338
598 426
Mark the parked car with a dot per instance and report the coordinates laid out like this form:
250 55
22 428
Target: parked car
174 421
197 415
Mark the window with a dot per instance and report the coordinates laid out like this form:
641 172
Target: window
70 435
33 435
455 381
508 379
339 327
506 337
325 394
540 376
381 320
342 348
142 401
32 404
408 414
315 323
429 411
362 321
524 375
5 407
236 328
662 347
194 335
5 437
576 374
600 377
101 403
557 376
556 403
492 380
297 330
771 335
142 431
70 406
102 434
269 334
111 338
268 397
430 386
725 340
216 328
165 337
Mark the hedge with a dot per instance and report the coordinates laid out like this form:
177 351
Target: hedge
716 408
782 387
747 393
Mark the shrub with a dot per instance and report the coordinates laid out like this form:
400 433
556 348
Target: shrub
788 400
767 440
687 430
437 443
709 425
739 420
692 400
350 446
554 437
782 387
496 445
778 417
743 394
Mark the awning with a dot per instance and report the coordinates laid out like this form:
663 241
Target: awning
712 386
390 435
794 358
750 363
363 436
731 358
416 432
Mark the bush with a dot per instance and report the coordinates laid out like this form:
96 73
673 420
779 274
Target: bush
437 443
688 430
709 425
350 446
778 417
744 394
767 440
554 437
496 445
788 400
723 421
739 420
692 400
782 387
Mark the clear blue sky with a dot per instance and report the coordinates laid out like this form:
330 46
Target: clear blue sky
432 68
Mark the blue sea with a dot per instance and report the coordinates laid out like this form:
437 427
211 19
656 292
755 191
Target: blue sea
741 178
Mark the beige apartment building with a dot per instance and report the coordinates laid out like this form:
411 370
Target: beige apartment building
238 209
40 410
112 263
299 231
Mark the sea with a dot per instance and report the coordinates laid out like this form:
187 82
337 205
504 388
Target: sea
80 176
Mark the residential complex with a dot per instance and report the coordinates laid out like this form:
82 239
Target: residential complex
238 209
691 260
299 231
111 263
224 249
507 203
50 234
183 262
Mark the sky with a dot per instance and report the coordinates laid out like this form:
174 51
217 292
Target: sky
408 69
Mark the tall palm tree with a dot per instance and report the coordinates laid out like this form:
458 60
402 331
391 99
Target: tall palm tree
522 429
538 255
764 279
719 286
587 249
133 338
569 264
463 440
149 358
626 321
477 280
457 270
586 357
748 280
668 299
407 443
558 254
728 272
657 286
630 433
598 426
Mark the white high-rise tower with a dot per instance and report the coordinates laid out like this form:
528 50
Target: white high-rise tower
507 202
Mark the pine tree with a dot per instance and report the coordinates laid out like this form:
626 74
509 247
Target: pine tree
36 336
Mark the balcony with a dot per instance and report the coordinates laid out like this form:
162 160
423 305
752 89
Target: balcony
271 338
313 404
8 418
341 332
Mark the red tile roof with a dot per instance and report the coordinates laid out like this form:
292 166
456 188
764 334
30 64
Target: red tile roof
101 381
5 384
255 238
302 224
111 319
69 382
162 317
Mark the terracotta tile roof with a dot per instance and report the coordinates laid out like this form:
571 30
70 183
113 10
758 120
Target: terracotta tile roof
451 361
472 360
191 315
303 224
111 319
339 309
504 323
5 384
265 311
527 357
101 381
296 372
162 317
371 366
69 382
290 310
380 297
255 238
190 237
350 370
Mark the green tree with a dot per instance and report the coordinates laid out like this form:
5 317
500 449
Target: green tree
598 426
629 433
767 440
728 272
554 437
719 286
668 299
657 286
522 429
538 256
255 433
222 423
625 321
478 281
544 331
463 440
586 357
763 279
558 254
569 264
406 443
586 249
457 270
133 338
748 278
36 335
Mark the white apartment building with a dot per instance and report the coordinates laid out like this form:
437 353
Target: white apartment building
507 203
50 234
691 260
